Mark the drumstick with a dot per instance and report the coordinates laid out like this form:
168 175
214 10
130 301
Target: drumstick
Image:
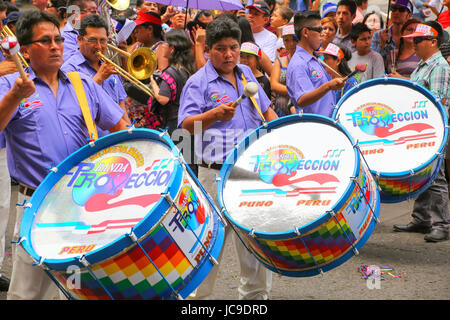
360 67
250 89
11 46
335 72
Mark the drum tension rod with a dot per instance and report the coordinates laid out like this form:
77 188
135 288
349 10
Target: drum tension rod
355 180
333 214
86 264
172 204
46 269
134 238
297 231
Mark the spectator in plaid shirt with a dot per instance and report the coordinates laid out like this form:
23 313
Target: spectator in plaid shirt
430 212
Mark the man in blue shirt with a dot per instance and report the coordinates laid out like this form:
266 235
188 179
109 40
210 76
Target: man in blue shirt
206 102
43 124
77 10
93 37
308 84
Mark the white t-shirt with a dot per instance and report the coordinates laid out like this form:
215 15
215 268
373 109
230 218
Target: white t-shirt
267 42
374 65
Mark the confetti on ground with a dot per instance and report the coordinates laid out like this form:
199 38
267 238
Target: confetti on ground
377 272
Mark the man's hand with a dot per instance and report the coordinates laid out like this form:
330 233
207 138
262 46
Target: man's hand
104 72
336 84
384 37
22 88
224 112
7 66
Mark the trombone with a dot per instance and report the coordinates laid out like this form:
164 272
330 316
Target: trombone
141 63
6 31
127 75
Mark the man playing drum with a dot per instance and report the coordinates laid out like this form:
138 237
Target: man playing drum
309 86
430 212
206 110
43 124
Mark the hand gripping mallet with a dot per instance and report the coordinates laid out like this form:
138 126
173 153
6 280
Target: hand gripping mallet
250 89
11 46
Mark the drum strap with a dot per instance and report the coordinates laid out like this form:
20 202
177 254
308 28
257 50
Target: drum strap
252 98
81 95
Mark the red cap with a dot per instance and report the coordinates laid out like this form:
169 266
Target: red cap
146 17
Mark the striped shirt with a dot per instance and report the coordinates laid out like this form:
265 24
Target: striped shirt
434 75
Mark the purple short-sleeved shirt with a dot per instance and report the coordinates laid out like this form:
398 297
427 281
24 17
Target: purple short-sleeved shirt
206 90
304 74
45 129
70 36
112 86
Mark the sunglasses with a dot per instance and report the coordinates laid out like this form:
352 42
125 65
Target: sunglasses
316 29
418 40
47 41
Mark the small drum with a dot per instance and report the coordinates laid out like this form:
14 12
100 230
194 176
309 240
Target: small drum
123 218
298 196
401 129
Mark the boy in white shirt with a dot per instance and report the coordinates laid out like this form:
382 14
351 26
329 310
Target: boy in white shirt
258 16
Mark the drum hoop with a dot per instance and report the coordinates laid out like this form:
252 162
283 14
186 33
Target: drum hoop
122 242
412 85
244 144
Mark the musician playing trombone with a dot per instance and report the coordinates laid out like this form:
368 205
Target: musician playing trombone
77 10
92 38
42 120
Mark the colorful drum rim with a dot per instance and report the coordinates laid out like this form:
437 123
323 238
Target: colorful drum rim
242 146
141 229
406 173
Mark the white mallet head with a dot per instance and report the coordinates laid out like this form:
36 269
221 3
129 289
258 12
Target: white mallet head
250 89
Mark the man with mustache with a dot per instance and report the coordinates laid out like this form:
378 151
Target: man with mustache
42 121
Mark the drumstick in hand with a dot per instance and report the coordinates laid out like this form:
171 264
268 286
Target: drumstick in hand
11 46
250 89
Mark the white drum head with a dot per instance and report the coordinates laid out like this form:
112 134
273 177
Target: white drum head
101 198
289 177
398 128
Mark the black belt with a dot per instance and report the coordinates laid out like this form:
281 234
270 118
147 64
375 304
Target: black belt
215 166
27 191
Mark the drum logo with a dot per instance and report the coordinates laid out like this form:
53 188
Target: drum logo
377 119
191 212
281 166
96 185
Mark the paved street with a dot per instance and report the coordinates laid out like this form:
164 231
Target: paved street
426 268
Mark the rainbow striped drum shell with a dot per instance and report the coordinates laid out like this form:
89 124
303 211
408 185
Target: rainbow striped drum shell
123 218
401 129
298 195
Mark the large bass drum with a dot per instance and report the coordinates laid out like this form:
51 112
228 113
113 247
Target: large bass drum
298 195
123 218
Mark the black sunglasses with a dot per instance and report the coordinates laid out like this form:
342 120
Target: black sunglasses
316 29
418 40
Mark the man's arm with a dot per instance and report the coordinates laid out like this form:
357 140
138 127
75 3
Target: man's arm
21 89
223 112
270 115
119 126
313 96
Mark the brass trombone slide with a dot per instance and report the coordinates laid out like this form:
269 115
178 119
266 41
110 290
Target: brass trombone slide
127 75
